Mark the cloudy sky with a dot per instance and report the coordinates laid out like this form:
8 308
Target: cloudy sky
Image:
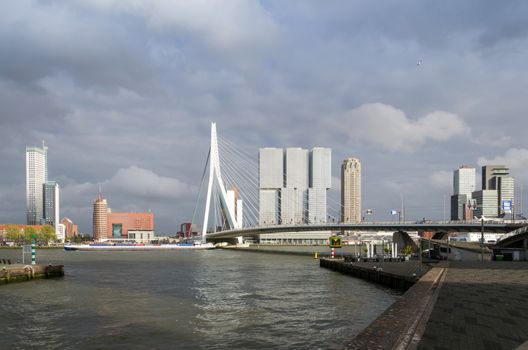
123 93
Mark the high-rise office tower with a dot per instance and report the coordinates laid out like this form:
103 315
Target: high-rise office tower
487 174
271 180
463 187
100 219
464 180
320 183
294 195
51 205
351 190
498 178
36 177
293 185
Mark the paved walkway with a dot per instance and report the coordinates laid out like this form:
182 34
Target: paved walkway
480 306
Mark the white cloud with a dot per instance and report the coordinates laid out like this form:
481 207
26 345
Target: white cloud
145 183
388 128
224 25
442 179
515 158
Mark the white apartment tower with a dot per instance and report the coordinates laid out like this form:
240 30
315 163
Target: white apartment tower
36 177
351 191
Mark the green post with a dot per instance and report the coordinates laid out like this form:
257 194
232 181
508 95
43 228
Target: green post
33 254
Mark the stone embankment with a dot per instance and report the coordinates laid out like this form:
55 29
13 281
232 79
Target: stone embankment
454 305
21 272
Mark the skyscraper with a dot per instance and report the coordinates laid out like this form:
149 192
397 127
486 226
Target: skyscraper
320 183
498 178
100 219
293 185
294 195
36 177
351 191
271 180
51 205
463 187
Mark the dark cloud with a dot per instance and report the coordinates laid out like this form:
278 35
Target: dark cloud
123 94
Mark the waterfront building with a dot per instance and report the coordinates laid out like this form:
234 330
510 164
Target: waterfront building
60 232
51 205
188 230
70 229
119 224
463 186
36 177
498 178
100 227
320 182
487 174
351 191
485 203
141 236
271 180
293 185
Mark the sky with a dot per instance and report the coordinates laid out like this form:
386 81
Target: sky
124 92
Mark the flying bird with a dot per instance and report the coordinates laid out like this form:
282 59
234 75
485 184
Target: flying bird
419 63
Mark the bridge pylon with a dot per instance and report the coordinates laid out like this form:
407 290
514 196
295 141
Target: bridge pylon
231 206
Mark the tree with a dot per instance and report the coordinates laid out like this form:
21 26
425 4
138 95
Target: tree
47 233
14 234
29 234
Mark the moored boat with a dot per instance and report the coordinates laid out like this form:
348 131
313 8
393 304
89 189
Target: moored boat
135 247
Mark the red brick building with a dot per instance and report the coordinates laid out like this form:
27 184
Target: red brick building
70 229
119 224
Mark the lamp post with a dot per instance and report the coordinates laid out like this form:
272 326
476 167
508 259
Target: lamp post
482 238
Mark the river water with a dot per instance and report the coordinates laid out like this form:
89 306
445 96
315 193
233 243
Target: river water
215 299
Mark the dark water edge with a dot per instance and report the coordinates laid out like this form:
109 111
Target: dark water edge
214 299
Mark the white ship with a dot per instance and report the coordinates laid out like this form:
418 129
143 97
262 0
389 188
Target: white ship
134 247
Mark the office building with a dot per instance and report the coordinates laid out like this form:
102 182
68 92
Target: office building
293 185
271 180
463 187
100 222
498 178
36 177
320 183
485 203
119 224
51 206
351 191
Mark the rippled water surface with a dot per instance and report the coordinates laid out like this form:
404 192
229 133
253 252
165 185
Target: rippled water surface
217 299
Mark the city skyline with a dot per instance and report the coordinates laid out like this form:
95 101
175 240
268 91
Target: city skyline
125 97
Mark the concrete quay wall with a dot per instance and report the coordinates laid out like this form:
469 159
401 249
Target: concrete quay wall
386 278
20 273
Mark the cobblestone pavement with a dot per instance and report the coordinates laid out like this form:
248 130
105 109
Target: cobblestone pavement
481 305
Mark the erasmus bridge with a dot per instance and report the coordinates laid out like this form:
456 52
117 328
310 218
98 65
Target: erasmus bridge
232 204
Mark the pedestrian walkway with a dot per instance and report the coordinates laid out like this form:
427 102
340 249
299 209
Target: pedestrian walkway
481 305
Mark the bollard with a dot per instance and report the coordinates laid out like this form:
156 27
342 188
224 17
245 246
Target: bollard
33 254
332 253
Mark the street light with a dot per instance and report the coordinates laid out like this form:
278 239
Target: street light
482 238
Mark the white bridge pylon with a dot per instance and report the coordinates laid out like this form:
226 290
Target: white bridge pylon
231 206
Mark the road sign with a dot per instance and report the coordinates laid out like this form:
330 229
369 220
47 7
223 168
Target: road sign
507 206
335 242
